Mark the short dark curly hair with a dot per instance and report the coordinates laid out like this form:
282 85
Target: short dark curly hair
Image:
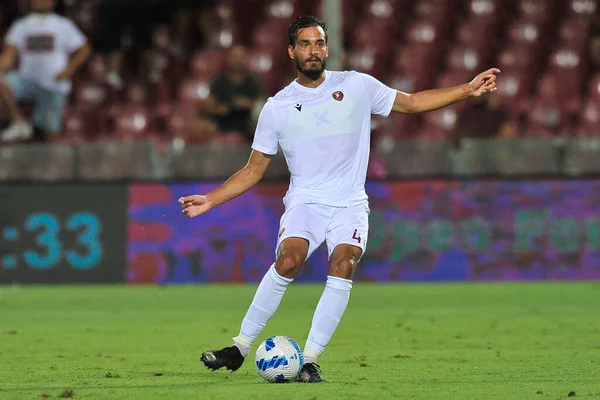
304 22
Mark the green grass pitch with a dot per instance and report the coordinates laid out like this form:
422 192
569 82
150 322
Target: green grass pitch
405 341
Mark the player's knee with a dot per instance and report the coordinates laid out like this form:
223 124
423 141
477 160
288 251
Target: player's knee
289 263
343 268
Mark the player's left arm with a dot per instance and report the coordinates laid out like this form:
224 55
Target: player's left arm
429 100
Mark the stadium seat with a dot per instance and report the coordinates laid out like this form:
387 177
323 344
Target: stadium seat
542 12
134 123
592 92
570 71
160 65
180 121
75 126
546 120
414 67
525 33
437 125
434 9
367 61
375 34
453 78
90 95
549 114
270 35
568 63
589 120
466 58
287 10
496 10
224 35
284 10
477 34
95 68
206 63
582 8
269 68
518 59
425 32
574 33
137 93
514 89
398 127
194 90
162 92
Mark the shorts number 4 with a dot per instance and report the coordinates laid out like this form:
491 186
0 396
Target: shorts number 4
356 235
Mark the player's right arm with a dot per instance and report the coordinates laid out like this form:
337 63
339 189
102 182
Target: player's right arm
239 183
264 147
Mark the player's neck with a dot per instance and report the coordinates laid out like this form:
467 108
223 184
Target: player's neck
309 83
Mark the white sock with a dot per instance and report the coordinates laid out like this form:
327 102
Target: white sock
265 303
327 316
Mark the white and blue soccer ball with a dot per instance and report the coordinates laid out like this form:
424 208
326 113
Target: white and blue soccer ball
279 359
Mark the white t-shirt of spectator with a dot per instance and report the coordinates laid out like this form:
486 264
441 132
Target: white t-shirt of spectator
324 134
45 43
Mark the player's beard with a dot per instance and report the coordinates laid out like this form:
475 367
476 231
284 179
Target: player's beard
311 73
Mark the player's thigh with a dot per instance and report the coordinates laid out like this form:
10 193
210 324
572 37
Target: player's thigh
305 221
20 88
349 227
48 112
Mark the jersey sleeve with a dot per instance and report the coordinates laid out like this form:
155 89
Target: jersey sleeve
14 37
74 37
382 97
265 137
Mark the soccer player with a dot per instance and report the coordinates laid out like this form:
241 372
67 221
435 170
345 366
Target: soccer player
321 121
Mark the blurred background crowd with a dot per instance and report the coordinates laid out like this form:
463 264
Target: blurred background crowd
199 71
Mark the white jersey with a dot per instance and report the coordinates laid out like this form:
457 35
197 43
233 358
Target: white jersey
324 134
45 43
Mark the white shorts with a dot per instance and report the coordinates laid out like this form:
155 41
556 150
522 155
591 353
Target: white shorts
318 223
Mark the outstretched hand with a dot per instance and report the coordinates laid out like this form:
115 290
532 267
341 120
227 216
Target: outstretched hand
194 205
484 83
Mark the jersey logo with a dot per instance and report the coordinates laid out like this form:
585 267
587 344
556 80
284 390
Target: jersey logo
339 96
298 107
322 119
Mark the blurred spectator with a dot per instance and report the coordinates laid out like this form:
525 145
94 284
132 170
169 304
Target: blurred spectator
234 94
484 117
50 48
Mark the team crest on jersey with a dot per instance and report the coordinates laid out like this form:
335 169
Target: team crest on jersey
339 96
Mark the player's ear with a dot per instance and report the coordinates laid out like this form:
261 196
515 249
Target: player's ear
291 52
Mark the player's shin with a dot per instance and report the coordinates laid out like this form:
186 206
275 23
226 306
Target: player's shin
266 301
327 316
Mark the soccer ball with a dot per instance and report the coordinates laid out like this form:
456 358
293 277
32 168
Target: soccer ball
279 359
